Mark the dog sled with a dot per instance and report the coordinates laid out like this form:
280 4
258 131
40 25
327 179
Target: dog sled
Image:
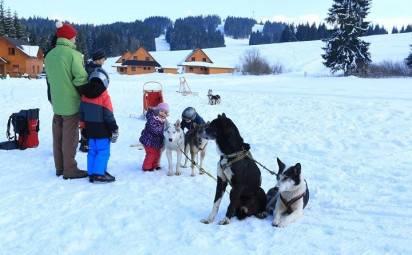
184 88
152 95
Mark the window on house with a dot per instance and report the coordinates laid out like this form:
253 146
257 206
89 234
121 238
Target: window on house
193 59
38 69
191 68
12 51
34 70
123 59
134 57
147 59
204 59
148 68
133 68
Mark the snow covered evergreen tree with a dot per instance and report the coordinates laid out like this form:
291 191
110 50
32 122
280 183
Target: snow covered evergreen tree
344 50
2 29
409 59
9 29
288 34
19 28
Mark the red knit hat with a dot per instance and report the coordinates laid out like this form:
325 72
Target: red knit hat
65 30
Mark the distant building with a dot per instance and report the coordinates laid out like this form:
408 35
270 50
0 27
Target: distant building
138 62
199 62
18 59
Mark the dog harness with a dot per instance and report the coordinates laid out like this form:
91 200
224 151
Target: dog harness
233 158
289 203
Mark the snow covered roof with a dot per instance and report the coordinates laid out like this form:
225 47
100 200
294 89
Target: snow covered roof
169 59
30 50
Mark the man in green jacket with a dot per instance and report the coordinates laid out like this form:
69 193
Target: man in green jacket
67 77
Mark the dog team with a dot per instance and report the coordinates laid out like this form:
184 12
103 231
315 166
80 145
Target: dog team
236 166
80 94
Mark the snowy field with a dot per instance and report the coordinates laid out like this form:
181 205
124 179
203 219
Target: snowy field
352 136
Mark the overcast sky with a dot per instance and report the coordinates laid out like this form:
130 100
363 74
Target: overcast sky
387 12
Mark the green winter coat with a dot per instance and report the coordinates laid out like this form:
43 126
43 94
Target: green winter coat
65 74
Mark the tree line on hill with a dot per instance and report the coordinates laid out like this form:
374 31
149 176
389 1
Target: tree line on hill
114 38
407 29
10 24
195 32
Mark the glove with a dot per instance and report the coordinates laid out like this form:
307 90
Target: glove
114 137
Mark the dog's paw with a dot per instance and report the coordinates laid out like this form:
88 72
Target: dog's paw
279 224
193 174
224 221
178 173
275 223
169 173
261 215
206 221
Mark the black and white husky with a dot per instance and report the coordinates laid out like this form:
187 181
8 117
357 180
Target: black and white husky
174 141
195 144
213 99
237 168
289 197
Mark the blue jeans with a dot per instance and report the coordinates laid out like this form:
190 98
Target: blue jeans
98 156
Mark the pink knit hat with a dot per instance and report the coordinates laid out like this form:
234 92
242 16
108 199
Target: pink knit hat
163 107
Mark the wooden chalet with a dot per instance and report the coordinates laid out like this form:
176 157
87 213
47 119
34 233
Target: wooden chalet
18 59
138 62
199 62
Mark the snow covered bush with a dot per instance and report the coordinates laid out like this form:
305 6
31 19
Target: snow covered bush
409 60
255 64
344 50
277 68
387 69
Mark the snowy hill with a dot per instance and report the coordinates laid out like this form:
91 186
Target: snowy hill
297 57
352 137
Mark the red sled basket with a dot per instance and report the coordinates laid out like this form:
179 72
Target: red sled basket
152 95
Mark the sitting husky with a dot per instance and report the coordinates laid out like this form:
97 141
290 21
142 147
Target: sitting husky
237 168
289 197
195 144
213 99
174 141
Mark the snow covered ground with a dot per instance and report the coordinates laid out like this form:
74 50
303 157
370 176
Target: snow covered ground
352 137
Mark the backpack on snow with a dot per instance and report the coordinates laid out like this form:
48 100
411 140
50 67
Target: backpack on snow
26 126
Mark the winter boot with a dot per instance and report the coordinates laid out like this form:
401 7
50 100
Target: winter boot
76 174
101 178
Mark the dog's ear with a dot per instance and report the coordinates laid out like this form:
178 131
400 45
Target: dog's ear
297 169
177 124
224 115
281 166
219 116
